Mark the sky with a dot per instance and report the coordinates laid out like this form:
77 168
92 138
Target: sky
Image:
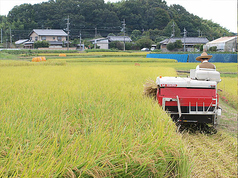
223 12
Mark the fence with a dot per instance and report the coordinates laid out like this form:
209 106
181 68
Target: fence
223 58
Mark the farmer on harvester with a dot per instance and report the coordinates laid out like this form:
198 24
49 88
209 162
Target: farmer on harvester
204 61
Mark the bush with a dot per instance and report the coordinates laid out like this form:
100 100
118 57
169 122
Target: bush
176 45
41 44
170 46
144 43
213 48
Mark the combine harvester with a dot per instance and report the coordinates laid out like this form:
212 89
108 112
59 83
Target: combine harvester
191 100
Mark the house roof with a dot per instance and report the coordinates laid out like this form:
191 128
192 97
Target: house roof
188 40
49 32
99 39
21 41
223 39
119 38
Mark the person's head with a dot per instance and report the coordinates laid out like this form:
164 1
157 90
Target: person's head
203 57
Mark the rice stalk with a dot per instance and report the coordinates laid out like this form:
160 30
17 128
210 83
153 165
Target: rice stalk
150 89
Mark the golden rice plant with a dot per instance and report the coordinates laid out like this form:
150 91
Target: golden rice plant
86 120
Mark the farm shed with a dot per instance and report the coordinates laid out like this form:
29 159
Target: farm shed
190 42
228 44
20 43
101 42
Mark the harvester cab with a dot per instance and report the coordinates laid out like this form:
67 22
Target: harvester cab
193 99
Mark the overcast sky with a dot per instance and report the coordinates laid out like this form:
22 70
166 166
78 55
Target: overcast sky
223 12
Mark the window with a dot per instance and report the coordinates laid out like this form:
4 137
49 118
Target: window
53 38
59 38
36 38
30 38
43 38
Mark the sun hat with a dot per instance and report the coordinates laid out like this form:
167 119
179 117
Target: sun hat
204 56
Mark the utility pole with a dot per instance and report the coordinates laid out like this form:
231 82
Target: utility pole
67 29
184 37
199 31
80 41
173 31
10 37
95 41
1 35
124 30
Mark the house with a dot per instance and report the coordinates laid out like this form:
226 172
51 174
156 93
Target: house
190 42
228 43
55 37
101 42
119 38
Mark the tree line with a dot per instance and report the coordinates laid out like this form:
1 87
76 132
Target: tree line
151 18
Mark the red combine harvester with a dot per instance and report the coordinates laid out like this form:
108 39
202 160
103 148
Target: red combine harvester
193 99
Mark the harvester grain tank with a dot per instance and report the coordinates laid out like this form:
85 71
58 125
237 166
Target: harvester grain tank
193 99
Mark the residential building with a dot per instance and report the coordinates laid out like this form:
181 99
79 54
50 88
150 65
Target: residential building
189 42
55 37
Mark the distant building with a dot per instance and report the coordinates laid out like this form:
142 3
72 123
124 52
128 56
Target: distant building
228 43
55 37
119 38
101 42
20 43
190 42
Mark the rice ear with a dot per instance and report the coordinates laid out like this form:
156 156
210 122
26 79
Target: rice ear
150 89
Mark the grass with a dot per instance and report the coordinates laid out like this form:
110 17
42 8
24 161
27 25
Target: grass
114 59
85 120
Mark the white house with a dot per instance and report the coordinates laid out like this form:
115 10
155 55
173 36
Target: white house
228 43
101 42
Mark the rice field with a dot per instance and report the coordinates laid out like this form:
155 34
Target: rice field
87 117
102 54
228 90
85 120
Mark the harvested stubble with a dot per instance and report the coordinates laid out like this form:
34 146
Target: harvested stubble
150 89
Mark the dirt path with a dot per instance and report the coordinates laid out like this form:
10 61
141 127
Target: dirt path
215 155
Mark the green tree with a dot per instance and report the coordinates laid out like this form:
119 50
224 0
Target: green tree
170 46
144 43
178 44
167 31
135 35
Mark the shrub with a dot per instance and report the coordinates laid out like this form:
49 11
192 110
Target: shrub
170 46
213 48
144 43
41 44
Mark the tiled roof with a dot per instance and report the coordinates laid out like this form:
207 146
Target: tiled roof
188 40
119 38
49 32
